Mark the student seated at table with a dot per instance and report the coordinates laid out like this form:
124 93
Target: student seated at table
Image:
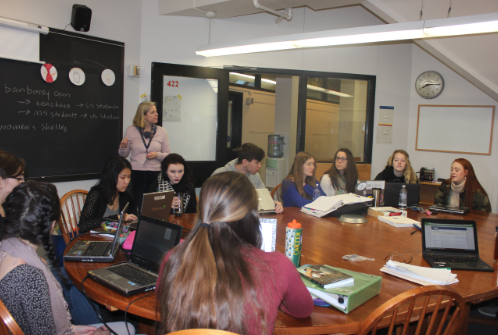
398 169
218 277
109 196
11 175
27 287
342 176
463 188
176 176
299 186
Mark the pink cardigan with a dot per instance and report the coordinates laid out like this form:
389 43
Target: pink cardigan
159 144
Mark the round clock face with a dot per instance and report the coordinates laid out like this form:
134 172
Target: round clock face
429 84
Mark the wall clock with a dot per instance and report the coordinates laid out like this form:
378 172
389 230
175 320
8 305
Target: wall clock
429 84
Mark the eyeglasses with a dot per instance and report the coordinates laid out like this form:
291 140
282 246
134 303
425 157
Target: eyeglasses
341 159
396 256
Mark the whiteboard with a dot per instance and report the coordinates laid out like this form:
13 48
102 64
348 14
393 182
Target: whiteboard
459 129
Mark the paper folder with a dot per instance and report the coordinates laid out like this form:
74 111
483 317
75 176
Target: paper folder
347 298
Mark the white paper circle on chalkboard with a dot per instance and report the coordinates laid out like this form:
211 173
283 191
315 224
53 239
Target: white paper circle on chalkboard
108 77
48 73
77 76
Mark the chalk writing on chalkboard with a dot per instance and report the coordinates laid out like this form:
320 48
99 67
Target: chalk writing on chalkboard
58 128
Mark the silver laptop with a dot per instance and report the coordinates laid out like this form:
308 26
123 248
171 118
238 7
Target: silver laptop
266 205
452 244
97 251
153 239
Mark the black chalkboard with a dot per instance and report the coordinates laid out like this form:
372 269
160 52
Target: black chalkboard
63 131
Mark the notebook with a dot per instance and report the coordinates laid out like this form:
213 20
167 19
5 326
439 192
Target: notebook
452 244
266 205
449 209
97 251
391 194
153 239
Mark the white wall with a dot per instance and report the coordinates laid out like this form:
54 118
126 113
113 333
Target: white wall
118 20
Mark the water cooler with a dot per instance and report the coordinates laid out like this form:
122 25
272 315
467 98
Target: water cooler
275 162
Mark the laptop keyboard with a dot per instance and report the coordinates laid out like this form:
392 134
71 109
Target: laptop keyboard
454 259
97 249
133 274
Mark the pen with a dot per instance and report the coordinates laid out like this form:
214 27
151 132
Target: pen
413 232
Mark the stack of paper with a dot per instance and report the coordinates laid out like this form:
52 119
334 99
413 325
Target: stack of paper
325 205
420 275
398 221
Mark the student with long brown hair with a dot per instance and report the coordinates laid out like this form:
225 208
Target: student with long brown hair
342 176
218 277
398 169
463 188
11 175
300 184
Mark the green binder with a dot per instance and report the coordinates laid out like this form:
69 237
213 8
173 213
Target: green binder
364 288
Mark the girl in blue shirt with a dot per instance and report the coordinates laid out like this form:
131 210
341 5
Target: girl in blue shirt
300 184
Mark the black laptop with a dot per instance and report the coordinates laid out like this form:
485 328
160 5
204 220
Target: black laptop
97 251
391 194
452 244
153 239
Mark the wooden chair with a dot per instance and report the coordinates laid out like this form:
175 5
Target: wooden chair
424 304
202 332
8 322
71 205
275 190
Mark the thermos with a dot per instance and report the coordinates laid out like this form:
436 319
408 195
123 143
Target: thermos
180 210
293 241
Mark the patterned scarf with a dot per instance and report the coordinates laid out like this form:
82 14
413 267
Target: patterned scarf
62 318
342 185
164 185
148 134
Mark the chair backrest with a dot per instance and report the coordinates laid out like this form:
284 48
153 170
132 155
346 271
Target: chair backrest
8 322
364 170
424 304
202 332
275 190
71 205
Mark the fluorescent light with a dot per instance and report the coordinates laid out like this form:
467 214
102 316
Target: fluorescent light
252 77
464 25
324 90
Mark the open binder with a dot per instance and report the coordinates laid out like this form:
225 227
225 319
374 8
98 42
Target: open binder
347 298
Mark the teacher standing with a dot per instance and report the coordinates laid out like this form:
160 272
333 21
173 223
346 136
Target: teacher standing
148 144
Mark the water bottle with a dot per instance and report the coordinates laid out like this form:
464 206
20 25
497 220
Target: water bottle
316 192
403 196
293 241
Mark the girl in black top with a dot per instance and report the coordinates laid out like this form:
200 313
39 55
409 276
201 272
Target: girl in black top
398 169
11 175
176 176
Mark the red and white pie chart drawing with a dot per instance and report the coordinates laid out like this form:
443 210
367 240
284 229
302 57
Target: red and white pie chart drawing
48 72
77 76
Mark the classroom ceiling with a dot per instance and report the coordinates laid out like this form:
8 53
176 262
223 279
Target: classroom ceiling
472 56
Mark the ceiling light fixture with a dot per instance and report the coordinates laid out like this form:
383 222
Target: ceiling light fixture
464 25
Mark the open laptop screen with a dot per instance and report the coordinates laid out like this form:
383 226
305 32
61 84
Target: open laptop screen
449 237
154 238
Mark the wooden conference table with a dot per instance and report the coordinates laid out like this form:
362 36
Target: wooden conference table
326 241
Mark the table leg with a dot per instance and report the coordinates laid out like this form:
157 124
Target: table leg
146 326
465 325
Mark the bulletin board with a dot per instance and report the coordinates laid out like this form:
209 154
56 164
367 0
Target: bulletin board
466 129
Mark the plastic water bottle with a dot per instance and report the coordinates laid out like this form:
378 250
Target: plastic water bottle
403 196
293 242
316 193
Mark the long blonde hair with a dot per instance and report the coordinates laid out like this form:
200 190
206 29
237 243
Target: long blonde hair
296 174
409 174
143 108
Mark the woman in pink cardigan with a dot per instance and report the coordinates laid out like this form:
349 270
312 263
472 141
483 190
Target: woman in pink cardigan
148 144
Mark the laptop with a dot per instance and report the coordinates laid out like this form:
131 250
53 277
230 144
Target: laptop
153 239
155 205
449 209
452 244
266 205
97 251
391 194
